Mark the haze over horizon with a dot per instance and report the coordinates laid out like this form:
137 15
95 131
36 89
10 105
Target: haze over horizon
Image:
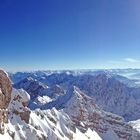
51 34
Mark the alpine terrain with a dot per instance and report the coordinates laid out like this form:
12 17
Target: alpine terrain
69 105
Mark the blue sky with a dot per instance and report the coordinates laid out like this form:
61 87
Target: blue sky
69 34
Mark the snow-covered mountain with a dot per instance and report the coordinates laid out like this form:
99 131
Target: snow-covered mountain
86 114
40 93
111 92
76 104
40 124
40 75
32 86
75 117
18 122
112 95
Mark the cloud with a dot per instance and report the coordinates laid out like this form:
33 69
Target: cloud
131 60
123 61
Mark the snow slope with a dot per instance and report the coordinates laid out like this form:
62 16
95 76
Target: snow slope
40 124
108 90
70 106
86 114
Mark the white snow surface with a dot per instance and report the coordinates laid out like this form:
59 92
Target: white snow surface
48 124
72 114
112 92
52 124
135 124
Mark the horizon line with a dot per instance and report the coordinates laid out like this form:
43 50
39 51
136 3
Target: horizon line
80 69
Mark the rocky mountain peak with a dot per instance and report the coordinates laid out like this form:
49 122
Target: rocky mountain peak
5 90
5 97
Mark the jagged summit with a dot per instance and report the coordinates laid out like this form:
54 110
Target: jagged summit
66 110
111 92
5 90
32 86
5 97
18 122
85 114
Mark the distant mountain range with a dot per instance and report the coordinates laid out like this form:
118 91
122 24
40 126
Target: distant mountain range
112 92
82 104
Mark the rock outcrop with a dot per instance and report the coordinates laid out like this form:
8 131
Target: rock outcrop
5 90
32 86
85 114
5 97
18 105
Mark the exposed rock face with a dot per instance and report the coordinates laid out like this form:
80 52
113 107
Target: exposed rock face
5 90
85 114
82 108
40 124
5 97
18 104
109 91
32 86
